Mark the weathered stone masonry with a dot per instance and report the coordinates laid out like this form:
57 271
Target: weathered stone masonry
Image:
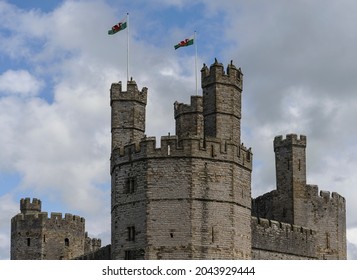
35 236
190 198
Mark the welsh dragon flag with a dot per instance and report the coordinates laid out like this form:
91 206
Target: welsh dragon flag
118 27
185 43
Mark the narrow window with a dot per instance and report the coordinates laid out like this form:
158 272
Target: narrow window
212 234
284 212
129 185
129 255
44 238
131 233
299 165
288 163
28 241
132 185
327 240
66 242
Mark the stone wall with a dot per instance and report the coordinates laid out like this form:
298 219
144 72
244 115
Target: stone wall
275 240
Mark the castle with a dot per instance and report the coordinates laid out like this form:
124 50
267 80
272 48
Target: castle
191 197
35 236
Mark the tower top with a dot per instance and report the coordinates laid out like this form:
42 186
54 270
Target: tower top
216 74
26 206
290 140
132 93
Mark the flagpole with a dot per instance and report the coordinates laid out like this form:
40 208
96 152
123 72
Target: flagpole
195 43
127 47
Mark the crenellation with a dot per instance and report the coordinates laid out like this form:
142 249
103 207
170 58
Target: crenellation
45 216
193 147
325 195
73 218
338 197
286 226
312 190
267 223
26 206
190 196
132 93
216 73
291 139
56 216
196 106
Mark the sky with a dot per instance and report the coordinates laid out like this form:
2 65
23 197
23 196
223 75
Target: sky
57 63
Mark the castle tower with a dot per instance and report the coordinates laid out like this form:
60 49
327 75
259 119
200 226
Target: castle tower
35 236
301 204
290 162
128 114
189 118
222 101
28 207
188 199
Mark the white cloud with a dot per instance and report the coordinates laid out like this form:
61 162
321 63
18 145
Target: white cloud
298 77
19 82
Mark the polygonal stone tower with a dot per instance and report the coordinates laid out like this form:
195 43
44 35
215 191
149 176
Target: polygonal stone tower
128 114
222 101
191 197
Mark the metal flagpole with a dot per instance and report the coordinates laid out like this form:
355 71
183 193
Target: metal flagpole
195 42
127 47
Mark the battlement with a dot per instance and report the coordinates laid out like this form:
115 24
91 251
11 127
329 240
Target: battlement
196 106
210 148
132 93
265 223
276 240
43 217
96 242
216 74
291 139
26 206
324 196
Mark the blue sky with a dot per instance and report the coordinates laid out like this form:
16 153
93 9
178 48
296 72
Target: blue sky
57 64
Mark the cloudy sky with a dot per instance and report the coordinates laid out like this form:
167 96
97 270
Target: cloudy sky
57 64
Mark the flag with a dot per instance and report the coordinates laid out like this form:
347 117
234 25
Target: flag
118 27
185 43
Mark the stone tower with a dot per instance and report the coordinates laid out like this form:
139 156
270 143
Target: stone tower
298 203
128 114
290 166
222 102
190 198
35 236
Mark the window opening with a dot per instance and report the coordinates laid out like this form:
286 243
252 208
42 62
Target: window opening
131 233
